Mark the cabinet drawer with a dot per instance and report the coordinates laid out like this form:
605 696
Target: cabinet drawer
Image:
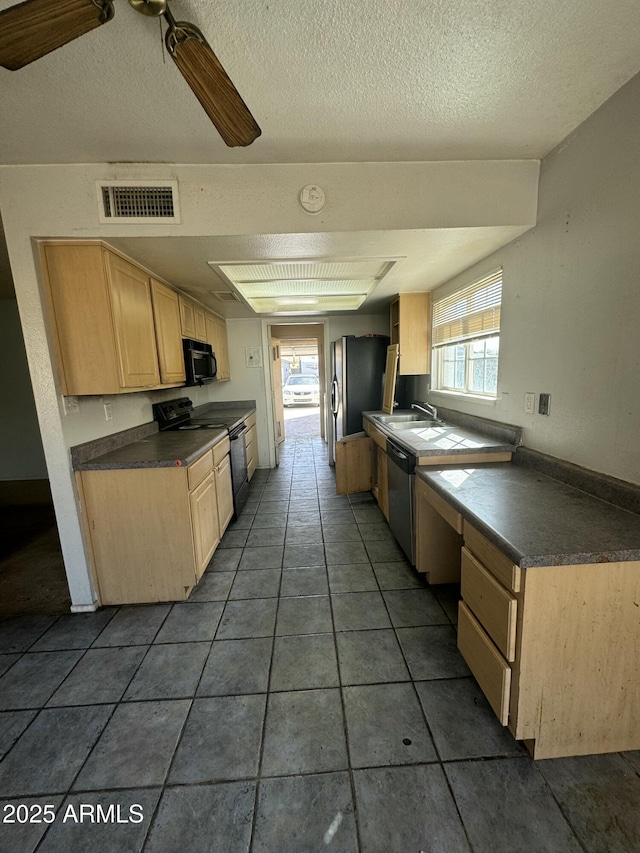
491 671
494 607
199 469
220 450
250 421
252 451
492 558
379 437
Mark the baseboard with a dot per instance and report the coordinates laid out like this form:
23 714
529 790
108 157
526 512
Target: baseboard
84 608
24 492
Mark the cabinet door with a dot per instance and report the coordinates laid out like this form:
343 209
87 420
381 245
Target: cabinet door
211 327
382 481
223 350
353 465
414 333
204 519
187 318
200 323
224 490
166 313
80 308
130 294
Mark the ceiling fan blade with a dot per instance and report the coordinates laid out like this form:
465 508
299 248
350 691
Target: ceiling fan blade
34 28
211 84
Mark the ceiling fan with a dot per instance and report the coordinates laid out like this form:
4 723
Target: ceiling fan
34 28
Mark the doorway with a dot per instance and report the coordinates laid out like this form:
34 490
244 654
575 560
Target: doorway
32 574
298 381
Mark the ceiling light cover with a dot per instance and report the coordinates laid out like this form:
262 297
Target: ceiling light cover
326 285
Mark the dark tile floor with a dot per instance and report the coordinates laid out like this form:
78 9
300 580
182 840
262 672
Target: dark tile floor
308 697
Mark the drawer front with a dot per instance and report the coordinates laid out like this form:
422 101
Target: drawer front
251 444
492 558
491 671
490 602
220 450
197 471
440 505
250 421
378 437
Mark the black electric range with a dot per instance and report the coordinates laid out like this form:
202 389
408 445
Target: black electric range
178 414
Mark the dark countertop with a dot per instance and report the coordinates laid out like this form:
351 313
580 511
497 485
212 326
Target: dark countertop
447 440
149 448
534 519
227 415
161 450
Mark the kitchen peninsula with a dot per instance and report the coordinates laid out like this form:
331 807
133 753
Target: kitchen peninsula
549 621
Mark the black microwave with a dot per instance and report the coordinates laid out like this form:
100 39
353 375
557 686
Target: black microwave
199 362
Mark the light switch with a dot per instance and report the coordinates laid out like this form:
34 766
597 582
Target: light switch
529 403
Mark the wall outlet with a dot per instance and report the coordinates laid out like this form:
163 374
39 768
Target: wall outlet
544 404
529 403
108 413
70 405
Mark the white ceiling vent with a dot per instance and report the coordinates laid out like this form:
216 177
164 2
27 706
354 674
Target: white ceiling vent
226 295
138 201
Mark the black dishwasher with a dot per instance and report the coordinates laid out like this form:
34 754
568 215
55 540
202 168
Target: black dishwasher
400 472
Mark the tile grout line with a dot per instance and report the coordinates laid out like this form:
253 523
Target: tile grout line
256 797
352 785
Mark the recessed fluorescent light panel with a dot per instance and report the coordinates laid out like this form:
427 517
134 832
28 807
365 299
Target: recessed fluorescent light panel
305 286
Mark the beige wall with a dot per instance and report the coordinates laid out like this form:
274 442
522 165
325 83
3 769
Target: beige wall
60 201
571 299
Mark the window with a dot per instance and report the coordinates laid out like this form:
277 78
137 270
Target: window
466 338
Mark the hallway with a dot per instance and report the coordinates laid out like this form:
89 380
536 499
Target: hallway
309 696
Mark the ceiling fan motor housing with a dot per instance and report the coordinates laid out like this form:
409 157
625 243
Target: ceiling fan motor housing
152 8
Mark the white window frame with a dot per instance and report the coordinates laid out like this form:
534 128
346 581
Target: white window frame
462 318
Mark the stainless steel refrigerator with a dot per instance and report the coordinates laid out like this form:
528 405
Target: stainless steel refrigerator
358 377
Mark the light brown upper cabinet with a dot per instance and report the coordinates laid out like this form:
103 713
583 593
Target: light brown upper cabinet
216 335
411 329
166 313
102 317
192 317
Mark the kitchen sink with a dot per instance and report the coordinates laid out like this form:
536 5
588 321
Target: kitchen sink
395 425
399 417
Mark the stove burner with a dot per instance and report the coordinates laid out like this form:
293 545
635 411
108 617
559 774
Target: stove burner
202 426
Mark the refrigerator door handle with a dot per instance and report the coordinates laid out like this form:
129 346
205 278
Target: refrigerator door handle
334 396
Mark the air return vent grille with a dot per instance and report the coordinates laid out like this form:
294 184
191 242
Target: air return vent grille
137 201
226 296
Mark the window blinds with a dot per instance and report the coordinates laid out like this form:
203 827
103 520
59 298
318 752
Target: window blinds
471 312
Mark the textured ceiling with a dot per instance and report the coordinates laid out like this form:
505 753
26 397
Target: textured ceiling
329 81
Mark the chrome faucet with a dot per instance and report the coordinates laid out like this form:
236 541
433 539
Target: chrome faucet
427 408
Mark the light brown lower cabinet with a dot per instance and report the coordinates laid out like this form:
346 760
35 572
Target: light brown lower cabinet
554 648
203 501
379 479
152 531
251 440
354 467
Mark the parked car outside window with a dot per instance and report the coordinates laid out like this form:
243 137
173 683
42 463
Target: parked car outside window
301 391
